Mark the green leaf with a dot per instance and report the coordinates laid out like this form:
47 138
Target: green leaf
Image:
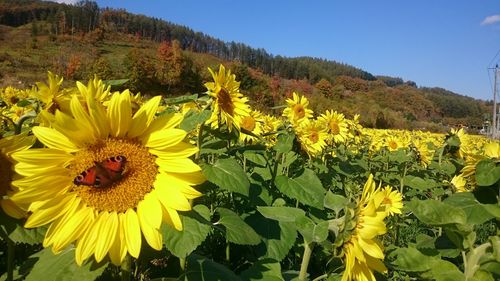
204 269
256 158
278 237
306 188
181 99
284 142
115 83
476 212
62 267
237 230
17 233
193 119
487 172
442 270
196 226
286 214
312 232
228 175
412 260
334 201
266 269
436 213
419 183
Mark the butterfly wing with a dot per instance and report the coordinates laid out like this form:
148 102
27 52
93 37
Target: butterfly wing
103 174
88 177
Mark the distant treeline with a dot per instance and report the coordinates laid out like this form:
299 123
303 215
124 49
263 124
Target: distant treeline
86 16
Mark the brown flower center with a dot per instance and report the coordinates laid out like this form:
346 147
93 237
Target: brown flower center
124 192
334 127
314 137
248 123
299 110
225 102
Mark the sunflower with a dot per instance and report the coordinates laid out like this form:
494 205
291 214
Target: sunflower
51 95
312 136
8 146
424 154
337 125
229 105
270 125
392 200
105 215
297 111
394 142
11 96
252 124
459 183
362 253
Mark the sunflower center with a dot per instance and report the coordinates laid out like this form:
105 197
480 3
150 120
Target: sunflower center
225 102
393 145
248 123
299 110
125 191
314 137
5 175
334 127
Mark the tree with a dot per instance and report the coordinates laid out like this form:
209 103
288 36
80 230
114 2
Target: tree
324 87
170 64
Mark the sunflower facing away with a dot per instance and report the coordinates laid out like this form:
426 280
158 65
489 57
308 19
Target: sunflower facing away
362 253
8 146
229 105
106 176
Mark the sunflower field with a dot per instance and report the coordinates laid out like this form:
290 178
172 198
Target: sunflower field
107 185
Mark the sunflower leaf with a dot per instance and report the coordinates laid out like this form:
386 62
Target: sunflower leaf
62 267
237 230
306 188
265 269
431 212
228 175
286 214
196 226
487 172
202 268
277 237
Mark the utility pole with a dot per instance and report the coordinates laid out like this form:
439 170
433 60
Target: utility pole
494 126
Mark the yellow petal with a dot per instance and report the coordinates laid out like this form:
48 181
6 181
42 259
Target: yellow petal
99 117
169 195
78 131
174 219
44 189
182 165
118 250
371 248
180 150
132 233
109 228
45 216
143 117
149 209
120 113
11 209
54 139
165 121
194 178
165 138
151 234
43 156
73 228
87 244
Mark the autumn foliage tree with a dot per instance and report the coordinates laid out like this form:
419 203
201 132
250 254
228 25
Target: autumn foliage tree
169 64
324 87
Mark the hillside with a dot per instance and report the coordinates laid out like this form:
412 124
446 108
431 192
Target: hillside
159 57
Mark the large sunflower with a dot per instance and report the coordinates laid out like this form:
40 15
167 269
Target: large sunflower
8 146
229 105
312 137
143 177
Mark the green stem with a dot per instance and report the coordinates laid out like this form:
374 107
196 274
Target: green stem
199 141
125 268
321 277
228 258
305 260
182 263
10 259
275 168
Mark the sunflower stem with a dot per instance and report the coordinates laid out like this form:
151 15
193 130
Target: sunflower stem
125 268
228 258
275 168
11 247
182 263
199 141
305 260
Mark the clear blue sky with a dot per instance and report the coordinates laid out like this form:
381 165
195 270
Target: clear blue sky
436 43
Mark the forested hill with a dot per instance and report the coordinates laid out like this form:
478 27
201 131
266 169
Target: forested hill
86 16
159 57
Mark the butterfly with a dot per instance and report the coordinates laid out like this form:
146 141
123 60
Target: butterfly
102 174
